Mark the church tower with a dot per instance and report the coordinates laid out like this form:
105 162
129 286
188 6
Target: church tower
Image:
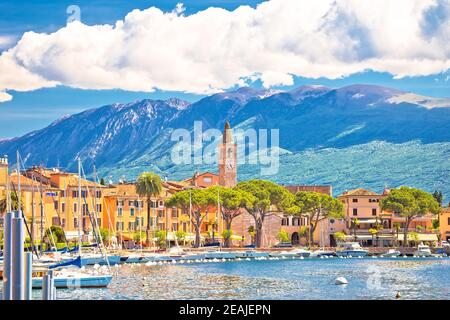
227 159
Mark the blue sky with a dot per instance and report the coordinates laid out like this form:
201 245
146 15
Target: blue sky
35 109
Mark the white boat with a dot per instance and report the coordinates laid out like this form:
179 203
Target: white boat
392 253
301 253
220 255
423 251
283 254
75 279
322 253
252 254
352 249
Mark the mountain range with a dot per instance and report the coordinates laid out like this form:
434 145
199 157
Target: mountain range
354 136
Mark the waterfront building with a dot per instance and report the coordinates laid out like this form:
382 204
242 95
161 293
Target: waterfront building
444 224
367 224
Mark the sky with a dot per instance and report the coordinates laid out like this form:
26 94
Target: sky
62 57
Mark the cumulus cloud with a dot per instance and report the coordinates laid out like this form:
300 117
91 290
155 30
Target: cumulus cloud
217 49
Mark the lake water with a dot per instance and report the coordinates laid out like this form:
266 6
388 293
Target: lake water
414 278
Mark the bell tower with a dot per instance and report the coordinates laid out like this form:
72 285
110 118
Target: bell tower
227 159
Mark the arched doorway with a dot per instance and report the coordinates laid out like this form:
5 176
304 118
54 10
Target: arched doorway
295 239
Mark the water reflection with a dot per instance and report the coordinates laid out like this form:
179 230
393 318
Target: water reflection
288 279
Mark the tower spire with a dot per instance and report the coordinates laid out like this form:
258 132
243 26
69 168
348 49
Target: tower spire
227 134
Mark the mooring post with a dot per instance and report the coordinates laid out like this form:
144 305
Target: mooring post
17 258
28 275
48 286
7 257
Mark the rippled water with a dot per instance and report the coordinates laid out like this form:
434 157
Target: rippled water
414 278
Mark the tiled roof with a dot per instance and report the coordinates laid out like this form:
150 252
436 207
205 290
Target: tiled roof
359 192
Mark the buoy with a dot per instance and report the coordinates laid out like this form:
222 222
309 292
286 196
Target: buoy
398 295
340 280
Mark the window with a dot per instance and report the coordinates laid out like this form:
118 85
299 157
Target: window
63 222
119 211
354 200
140 203
99 222
161 203
174 226
374 211
285 221
75 207
139 222
98 207
295 221
131 226
63 207
174 213
374 200
162 226
63 193
207 179
131 203
448 221
355 211
160 213
85 209
132 212
98 194
75 222
152 204
55 205
83 193
75 194
120 203
55 221
119 225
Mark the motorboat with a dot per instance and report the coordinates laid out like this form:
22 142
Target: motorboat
392 253
301 253
283 254
75 279
88 259
220 255
322 253
352 249
252 254
423 251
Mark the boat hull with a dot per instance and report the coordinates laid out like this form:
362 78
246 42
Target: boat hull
74 282
351 253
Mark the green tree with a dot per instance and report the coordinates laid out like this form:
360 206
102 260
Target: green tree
148 185
339 236
56 233
180 235
303 232
105 235
226 235
414 236
373 232
200 199
268 198
161 238
283 236
439 197
355 223
231 203
316 207
409 203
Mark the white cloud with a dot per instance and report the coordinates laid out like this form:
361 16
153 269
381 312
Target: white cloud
4 96
216 49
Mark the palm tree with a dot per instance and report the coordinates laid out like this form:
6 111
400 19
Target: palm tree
148 185
14 203
355 224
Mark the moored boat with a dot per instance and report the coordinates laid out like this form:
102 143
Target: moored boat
352 249
392 253
74 279
423 251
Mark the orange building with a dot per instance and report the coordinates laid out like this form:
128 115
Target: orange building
444 224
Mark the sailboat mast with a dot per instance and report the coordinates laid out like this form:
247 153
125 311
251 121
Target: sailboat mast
79 207
8 191
41 204
19 193
32 209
